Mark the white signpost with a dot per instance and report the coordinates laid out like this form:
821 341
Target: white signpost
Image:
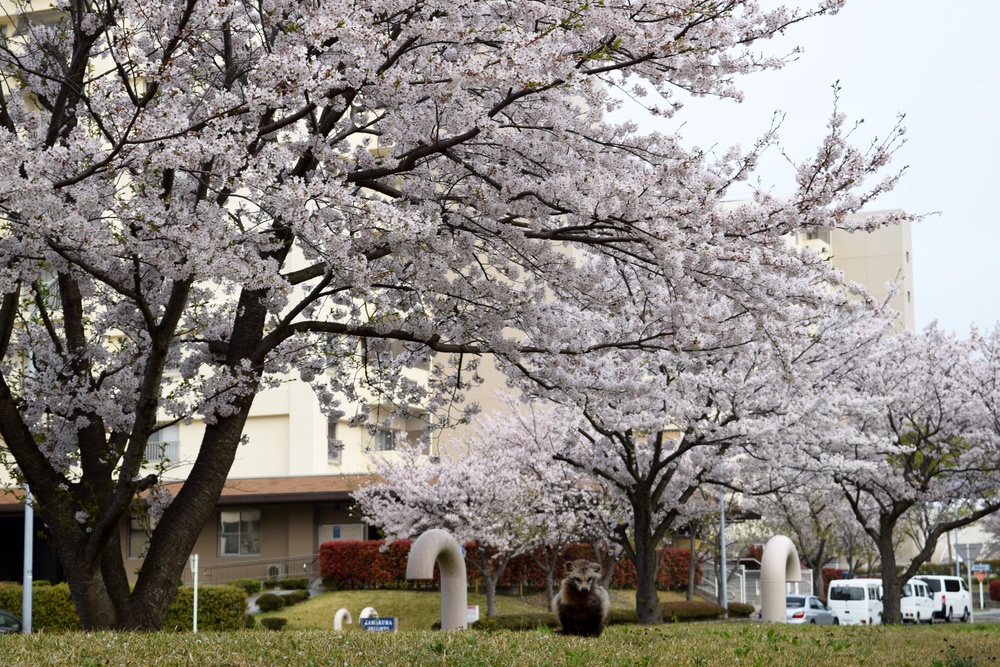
980 570
194 574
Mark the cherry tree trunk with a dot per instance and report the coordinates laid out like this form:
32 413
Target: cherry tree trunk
647 566
891 589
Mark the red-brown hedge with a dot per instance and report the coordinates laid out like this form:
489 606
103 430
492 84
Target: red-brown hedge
362 564
995 589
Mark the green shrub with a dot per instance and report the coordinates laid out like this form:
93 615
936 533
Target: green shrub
694 610
251 622
251 586
273 622
294 583
270 602
621 616
740 610
271 584
219 608
52 607
295 597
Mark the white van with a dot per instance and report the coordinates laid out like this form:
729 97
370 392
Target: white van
916 602
856 601
952 597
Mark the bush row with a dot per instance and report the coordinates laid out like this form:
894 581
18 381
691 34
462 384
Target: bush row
274 601
673 612
363 564
219 608
52 609
51 606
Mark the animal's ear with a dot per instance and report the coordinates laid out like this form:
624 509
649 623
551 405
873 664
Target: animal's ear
595 568
567 566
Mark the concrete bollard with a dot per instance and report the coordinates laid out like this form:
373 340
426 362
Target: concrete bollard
439 546
339 619
779 564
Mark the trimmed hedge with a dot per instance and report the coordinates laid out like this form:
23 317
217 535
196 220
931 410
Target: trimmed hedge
251 586
995 589
294 584
52 607
219 608
362 564
271 602
740 610
273 622
349 564
294 597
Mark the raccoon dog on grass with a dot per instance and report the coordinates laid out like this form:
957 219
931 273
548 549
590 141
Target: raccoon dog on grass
582 603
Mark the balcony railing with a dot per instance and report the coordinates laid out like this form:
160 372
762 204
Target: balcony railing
269 569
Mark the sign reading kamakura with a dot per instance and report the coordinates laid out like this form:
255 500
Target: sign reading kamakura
387 624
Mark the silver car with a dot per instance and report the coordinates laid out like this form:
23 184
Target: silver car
809 609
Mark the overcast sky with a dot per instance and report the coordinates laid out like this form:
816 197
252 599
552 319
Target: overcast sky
939 65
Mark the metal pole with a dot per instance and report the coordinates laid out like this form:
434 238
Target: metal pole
724 594
29 556
958 567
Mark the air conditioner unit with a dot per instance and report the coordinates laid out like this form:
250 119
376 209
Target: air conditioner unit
277 571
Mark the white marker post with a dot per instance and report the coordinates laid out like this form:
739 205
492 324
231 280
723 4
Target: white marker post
28 580
980 570
194 573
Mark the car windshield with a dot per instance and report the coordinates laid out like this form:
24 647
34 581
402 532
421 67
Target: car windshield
795 602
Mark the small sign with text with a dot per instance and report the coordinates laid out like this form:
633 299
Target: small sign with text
387 624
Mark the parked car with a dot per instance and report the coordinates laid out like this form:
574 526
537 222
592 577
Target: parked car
9 623
856 601
916 602
951 595
809 609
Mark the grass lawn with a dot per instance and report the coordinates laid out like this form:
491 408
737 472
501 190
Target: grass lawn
694 644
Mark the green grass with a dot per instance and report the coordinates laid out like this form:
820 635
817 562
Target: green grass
416 610
695 644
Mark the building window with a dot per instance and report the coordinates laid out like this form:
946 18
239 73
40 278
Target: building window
385 440
239 533
336 532
164 445
334 446
818 234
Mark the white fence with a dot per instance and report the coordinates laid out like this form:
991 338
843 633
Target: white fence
743 585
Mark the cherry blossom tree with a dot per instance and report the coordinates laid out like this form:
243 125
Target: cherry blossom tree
662 424
911 428
202 198
502 491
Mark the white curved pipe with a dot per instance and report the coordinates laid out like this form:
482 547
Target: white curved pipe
439 546
780 563
338 620
368 612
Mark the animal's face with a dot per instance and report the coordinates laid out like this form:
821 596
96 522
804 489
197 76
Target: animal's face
583 575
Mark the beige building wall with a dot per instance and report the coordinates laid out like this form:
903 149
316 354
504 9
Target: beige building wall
878 260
